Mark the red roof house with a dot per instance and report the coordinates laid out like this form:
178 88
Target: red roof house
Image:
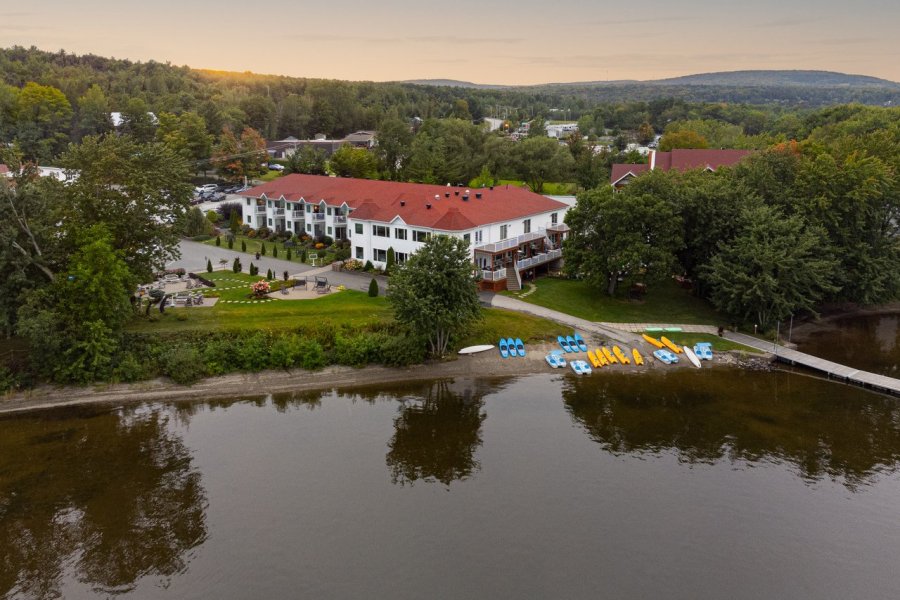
680 159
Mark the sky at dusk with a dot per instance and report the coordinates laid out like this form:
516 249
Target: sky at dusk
505 41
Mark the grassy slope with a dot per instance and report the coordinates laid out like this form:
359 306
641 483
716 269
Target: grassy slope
664 303
349 307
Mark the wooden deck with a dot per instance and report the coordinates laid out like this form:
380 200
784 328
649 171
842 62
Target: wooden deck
832 370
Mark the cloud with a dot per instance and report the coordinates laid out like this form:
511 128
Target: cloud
402 40
788 22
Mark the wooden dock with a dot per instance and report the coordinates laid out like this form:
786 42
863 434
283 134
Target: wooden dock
832 370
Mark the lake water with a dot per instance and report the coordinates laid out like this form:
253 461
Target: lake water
691 484
869 342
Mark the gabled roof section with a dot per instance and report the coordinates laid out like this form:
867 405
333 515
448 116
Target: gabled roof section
680 159
453 220
621 171
418 204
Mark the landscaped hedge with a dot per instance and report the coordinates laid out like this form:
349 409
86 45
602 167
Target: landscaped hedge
188 357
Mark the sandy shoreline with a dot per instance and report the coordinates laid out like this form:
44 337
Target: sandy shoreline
265 382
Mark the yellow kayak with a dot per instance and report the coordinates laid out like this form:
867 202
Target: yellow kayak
653 341
670 345
609 356
601 358
638 359
594 360
621 355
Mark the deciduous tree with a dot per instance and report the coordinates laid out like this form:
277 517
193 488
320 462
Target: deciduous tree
434 292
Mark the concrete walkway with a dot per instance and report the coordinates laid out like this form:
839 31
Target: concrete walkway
642 327
576 323
194 256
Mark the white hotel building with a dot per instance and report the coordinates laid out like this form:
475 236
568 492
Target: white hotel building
513 233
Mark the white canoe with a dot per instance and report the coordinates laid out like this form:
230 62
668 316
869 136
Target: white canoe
476 349
691 356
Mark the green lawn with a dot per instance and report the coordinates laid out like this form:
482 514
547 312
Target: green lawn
270 175
499 323
664 303
254 245
551 188
348 307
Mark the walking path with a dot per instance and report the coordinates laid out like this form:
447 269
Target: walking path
831 369
642 327
501 301
194 256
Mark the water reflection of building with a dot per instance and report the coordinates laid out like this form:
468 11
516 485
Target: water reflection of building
742 416
105 498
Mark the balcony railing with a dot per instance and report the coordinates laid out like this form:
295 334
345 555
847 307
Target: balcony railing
260 210
340 219
498 275
296 214
512 242
279 212
317 217
538 259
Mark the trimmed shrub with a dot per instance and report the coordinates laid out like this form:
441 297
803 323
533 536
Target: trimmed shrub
230 242
312 355
373 288
208 266
389 263
289 257
262 250
274 251
243 245
403 350
236 267
286 275
251 234
218 240
183 364
285 352
369 266
269 275
254 352
303 256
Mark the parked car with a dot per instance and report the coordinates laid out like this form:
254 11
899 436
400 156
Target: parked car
276 167
217 197
206 187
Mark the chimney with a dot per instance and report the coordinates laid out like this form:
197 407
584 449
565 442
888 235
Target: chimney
437 197
478 194
447 194
403 203
428 206
456 193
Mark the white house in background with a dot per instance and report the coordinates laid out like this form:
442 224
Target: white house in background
561 130
57 173
117 119
513 233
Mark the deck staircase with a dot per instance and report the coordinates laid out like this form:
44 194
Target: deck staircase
513 279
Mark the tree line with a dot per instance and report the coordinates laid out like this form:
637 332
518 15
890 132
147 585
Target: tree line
789 228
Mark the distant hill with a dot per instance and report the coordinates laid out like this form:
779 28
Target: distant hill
455 83
778 78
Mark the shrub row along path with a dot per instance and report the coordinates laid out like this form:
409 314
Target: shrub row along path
194 256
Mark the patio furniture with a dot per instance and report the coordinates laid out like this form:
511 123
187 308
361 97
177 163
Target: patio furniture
322 285
300 283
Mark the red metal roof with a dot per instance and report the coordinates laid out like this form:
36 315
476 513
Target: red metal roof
681 159
418 204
